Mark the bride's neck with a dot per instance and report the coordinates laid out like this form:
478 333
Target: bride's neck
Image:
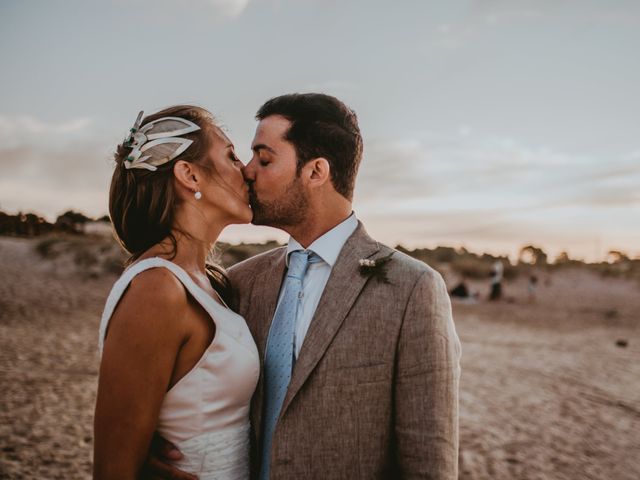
190 252
194 239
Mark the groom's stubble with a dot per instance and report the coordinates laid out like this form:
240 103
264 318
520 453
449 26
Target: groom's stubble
289 209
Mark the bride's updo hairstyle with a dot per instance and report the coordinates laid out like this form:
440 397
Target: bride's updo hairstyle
142 201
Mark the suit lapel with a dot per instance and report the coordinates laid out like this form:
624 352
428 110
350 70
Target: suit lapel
342 290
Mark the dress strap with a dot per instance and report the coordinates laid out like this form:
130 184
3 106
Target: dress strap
203 298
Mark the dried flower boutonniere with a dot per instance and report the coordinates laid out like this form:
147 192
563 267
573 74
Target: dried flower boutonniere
375 268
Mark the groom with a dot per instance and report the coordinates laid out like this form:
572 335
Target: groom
360 355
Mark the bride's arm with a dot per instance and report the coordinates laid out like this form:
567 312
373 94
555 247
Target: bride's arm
144 337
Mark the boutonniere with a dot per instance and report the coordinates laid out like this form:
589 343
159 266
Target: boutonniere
375 268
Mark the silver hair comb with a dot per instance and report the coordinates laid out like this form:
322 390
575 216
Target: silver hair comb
158 140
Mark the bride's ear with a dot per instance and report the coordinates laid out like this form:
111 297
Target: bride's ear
187 175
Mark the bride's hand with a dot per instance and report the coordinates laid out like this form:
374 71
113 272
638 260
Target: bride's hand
157 467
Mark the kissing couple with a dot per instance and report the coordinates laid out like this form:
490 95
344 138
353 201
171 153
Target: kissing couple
335 357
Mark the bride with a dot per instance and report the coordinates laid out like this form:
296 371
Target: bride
175 359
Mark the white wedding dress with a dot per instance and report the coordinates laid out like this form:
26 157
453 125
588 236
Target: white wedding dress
206 413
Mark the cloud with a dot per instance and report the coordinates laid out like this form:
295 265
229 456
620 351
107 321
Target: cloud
493 193
466 173
19 130
221 9
50 180
604 192
55 160
84 163
448 163
31 125
484 17
394 170
230 8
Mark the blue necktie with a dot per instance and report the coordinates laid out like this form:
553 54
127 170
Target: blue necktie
278 361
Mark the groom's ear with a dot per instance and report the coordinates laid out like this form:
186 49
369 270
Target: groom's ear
317 172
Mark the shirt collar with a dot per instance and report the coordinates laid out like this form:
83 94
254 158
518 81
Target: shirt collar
328 246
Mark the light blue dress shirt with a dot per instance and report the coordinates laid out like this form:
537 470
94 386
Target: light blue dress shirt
327 247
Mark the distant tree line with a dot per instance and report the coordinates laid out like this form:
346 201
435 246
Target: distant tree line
472 265
32 225
465 263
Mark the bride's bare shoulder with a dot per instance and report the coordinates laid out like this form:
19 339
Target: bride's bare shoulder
154 298
159 283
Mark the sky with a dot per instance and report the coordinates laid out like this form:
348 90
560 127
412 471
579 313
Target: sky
488 124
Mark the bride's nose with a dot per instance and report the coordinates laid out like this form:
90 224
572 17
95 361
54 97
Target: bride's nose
248 172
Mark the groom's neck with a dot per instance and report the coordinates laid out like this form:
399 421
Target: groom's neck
319 220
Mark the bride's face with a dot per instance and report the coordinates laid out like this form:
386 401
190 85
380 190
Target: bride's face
224 187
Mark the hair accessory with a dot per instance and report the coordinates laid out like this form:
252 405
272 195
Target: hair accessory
158 140
198 195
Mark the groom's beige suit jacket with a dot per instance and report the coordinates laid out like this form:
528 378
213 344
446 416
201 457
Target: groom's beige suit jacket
374 391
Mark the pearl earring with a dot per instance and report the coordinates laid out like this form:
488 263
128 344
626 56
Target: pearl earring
198 195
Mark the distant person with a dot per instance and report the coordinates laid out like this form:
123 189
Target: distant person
497 271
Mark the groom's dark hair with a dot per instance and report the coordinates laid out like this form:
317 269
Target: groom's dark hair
321 126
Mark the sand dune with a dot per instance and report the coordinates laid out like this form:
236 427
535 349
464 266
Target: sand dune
546 393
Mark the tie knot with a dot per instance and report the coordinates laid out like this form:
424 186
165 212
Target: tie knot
299 261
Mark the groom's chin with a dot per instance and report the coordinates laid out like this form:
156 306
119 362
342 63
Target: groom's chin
262 220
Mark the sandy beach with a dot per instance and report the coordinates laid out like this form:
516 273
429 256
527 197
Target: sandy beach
549 389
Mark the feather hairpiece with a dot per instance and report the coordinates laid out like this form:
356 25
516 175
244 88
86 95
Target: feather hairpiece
158 140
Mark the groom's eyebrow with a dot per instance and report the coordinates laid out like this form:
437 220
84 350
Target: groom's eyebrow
262 146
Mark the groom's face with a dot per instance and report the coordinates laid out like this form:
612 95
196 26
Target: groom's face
276 193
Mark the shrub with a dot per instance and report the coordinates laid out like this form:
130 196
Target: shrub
46 247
